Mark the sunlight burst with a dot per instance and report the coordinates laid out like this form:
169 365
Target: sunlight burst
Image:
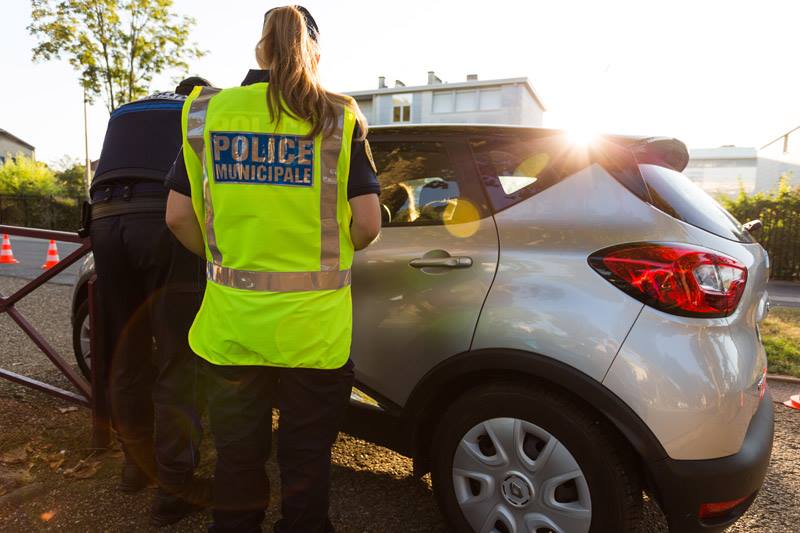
581 136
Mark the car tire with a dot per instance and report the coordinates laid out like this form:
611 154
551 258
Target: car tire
516 421
78 340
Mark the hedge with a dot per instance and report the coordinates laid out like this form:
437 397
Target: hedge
779 211
47 212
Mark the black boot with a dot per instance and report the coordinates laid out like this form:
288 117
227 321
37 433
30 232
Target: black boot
172 504
133 478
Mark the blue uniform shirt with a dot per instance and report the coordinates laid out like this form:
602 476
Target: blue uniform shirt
141 140
362 179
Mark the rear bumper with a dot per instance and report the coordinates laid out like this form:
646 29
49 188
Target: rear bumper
682 486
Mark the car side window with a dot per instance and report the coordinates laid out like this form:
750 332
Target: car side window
515 169
420 185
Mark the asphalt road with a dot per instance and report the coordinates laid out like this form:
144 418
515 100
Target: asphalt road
784 293
31 254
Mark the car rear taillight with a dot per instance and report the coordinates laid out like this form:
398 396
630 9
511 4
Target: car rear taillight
675 278
709 511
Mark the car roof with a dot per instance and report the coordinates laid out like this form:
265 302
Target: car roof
658 150
464 128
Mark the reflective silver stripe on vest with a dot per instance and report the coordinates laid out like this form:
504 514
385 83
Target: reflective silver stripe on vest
277 281
329 197
195 128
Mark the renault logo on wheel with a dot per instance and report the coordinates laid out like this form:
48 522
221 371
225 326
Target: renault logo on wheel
517 490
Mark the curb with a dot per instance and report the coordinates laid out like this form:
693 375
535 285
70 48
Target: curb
783 379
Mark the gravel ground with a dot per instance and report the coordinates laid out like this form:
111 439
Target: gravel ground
373 488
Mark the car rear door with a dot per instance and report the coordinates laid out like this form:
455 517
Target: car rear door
418 290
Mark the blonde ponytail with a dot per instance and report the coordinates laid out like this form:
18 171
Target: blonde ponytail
289 52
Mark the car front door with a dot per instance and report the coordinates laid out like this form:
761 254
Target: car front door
418 290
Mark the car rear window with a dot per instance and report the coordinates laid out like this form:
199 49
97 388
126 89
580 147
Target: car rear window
514 169
678 196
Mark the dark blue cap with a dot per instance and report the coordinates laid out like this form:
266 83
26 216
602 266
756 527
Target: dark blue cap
311 24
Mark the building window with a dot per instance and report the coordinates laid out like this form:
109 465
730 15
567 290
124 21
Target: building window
491 99
366 108
443 102
466 101
401 108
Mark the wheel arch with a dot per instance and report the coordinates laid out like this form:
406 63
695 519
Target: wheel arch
442 384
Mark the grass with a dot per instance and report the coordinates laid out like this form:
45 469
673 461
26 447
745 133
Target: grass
780 333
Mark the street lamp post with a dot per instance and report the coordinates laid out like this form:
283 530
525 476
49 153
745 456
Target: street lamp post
87 174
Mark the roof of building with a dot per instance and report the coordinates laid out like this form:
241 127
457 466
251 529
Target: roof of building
452 86
17 139
724 152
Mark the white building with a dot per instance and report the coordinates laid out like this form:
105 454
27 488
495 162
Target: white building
11 145
723 169
506 101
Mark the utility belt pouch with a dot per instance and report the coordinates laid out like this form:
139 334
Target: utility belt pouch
86 219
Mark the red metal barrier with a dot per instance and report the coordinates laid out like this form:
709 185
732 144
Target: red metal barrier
90 395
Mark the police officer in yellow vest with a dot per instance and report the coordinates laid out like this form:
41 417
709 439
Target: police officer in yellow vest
272 212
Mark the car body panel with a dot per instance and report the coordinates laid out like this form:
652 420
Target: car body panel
690 380
546 298
697 382
408 320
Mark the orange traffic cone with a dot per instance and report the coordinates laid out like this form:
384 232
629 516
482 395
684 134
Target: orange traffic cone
52 256
793 402
6 255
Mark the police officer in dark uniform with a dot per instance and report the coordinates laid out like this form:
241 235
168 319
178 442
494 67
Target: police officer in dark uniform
149 290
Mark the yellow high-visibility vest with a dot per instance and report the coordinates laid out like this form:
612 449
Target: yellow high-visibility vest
273 208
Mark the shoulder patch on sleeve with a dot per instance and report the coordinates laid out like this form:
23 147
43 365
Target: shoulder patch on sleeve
368 151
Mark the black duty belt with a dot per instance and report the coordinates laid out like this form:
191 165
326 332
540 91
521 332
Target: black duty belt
142 204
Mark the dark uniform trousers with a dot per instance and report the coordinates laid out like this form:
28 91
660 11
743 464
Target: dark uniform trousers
312 405
150 288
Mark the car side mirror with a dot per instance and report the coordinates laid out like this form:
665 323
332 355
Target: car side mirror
753 227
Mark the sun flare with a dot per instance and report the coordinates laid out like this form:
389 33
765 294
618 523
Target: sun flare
581 136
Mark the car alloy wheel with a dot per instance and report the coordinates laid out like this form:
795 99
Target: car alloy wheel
81 339
85 339
514 457
510 476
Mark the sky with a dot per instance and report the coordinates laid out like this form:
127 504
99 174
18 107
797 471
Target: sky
708 72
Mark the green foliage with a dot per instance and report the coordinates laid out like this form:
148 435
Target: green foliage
22 175
781 335
71 178
116 45
779 211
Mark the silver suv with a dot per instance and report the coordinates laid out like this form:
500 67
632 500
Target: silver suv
552 328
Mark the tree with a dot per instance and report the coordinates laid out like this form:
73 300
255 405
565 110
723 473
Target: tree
116 45
70 175
22 175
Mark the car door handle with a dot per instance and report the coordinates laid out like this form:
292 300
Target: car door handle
447 262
